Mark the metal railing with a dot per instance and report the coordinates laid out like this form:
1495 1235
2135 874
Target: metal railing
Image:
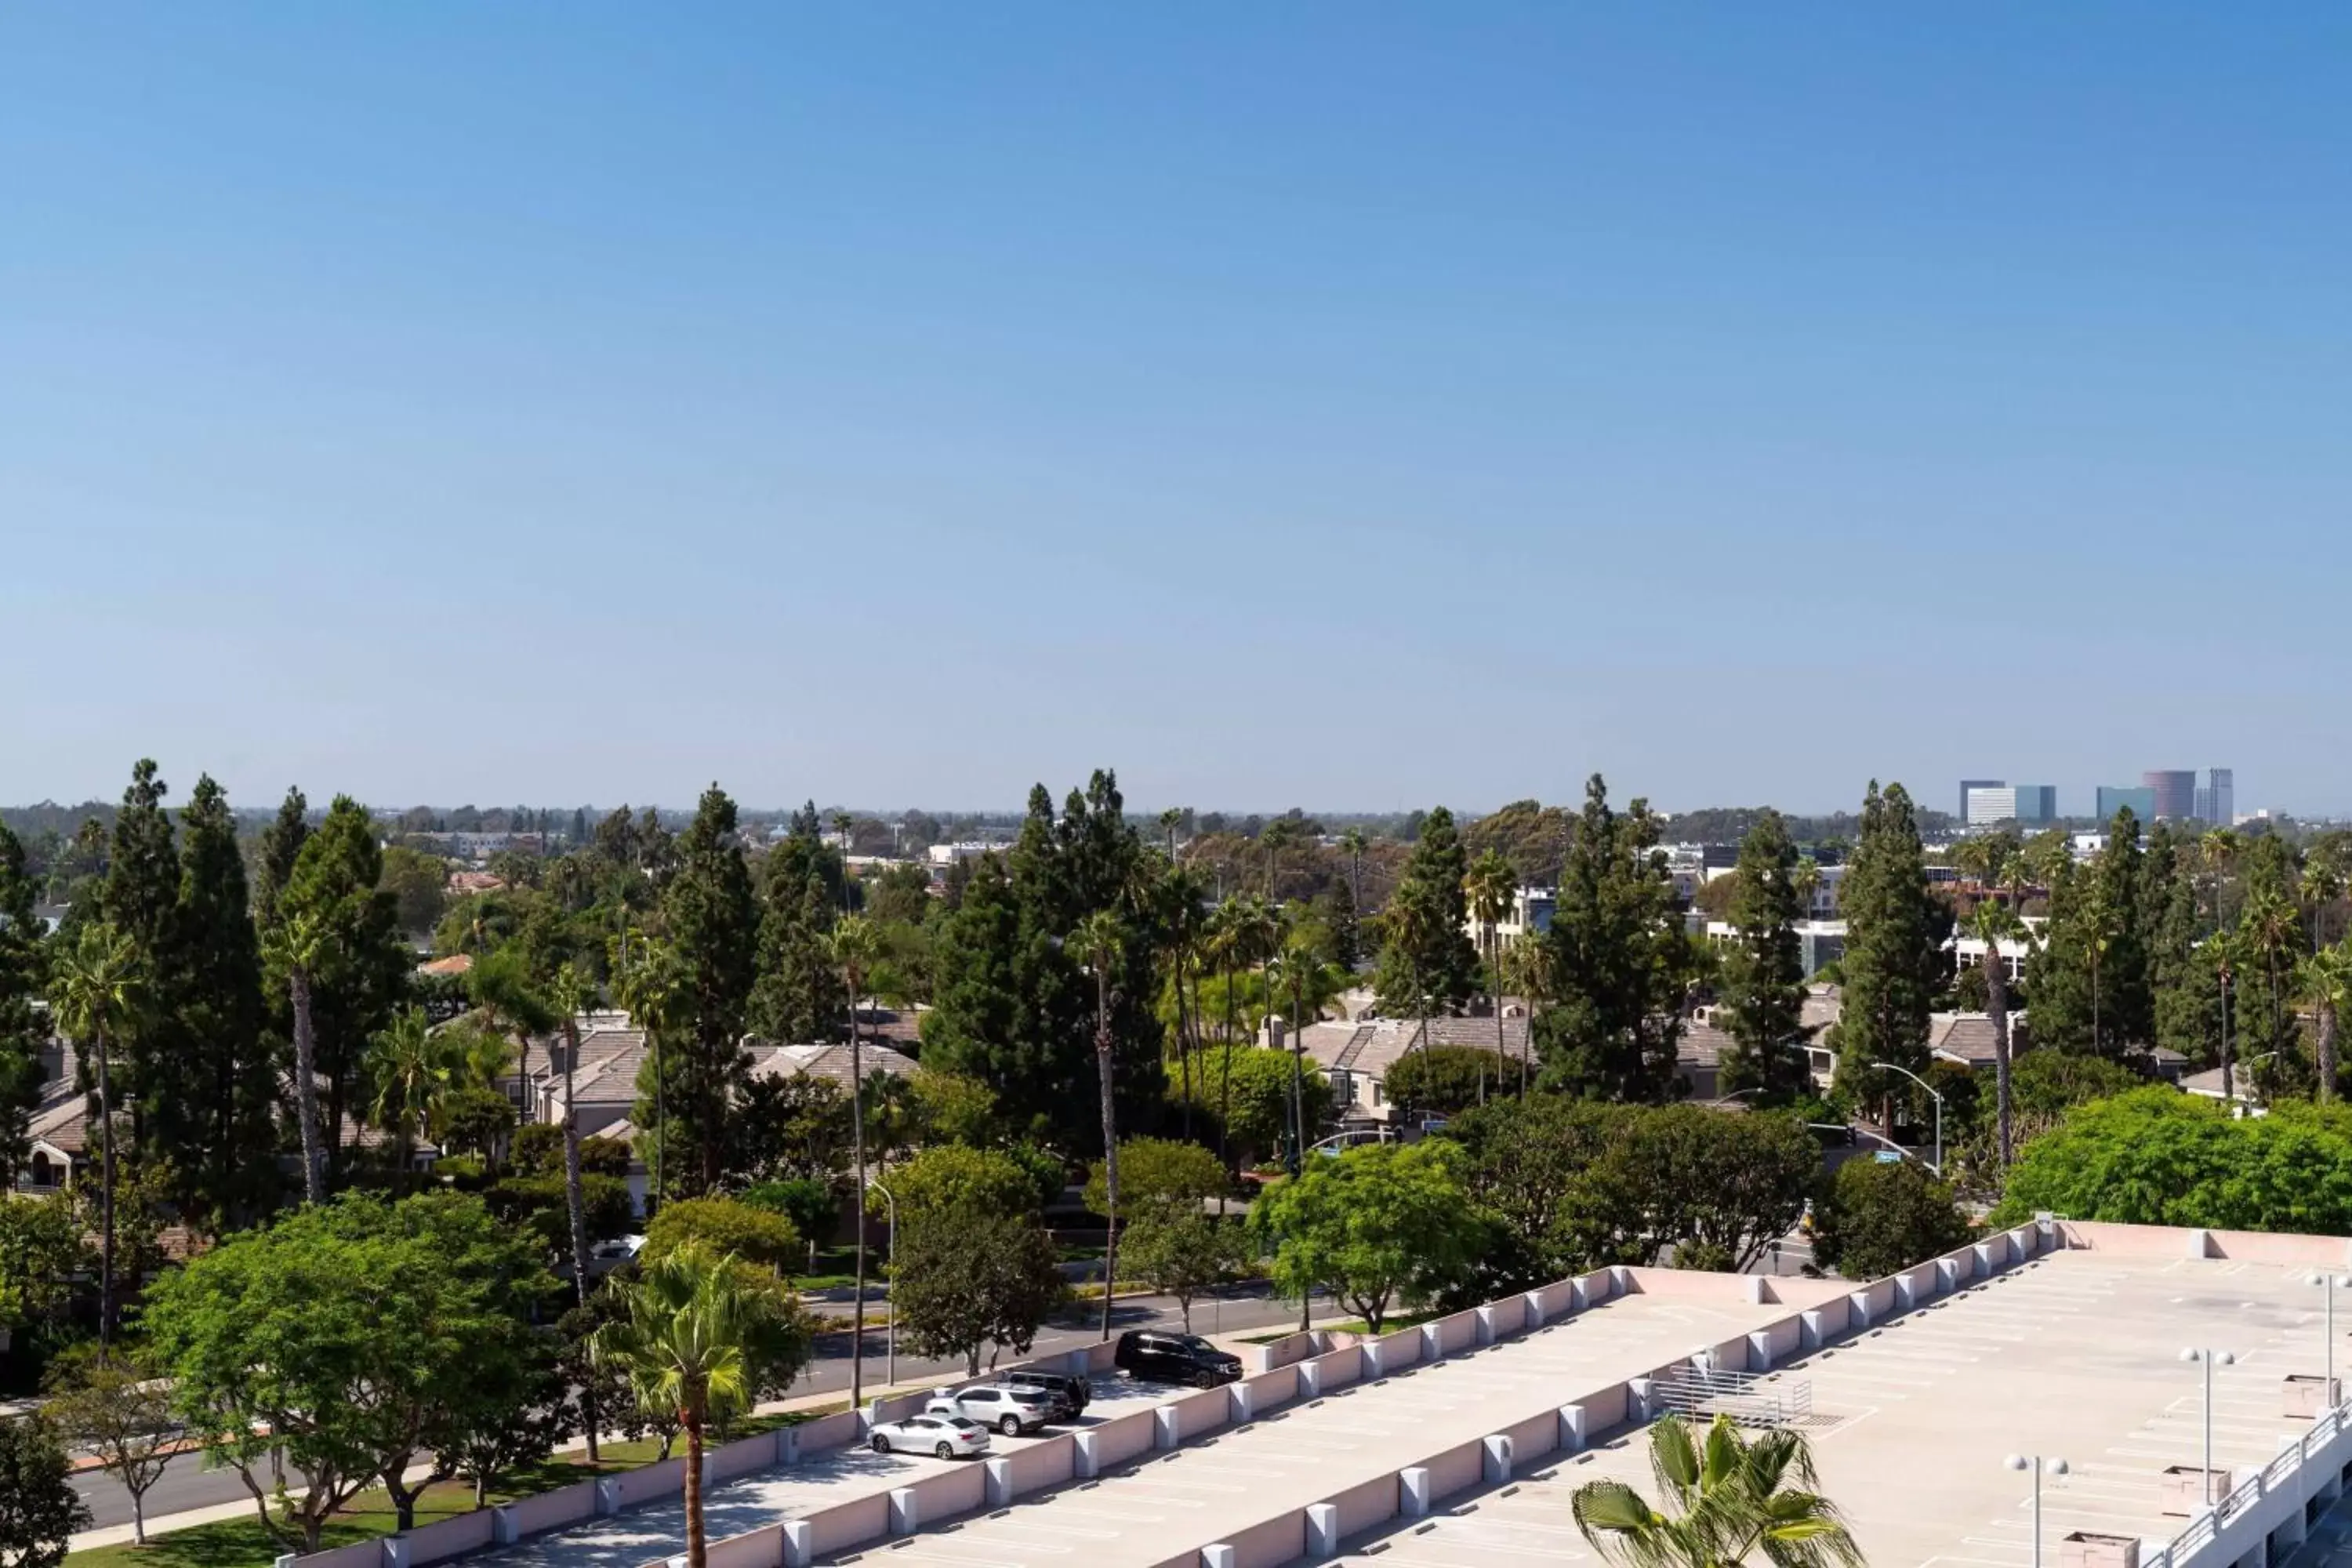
2206 1526
1744 1396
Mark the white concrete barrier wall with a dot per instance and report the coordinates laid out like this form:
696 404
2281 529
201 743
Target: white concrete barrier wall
1398 1350
358 1554
834 1431
1271 1390
564 1505
638 1486
1456 1469
1270 1542
741 1457
898 1407
946 1494
847 1524
447 1538
1337 1369
1039 1465
1123 1437
1510 1316
1533 1438
1203 1411
1458 1332
1287 1351
1362 1507
762 1548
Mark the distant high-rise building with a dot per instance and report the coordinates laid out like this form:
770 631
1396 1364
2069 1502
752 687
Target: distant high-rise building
2222 786
2037 804
2175 791
1985 805
1968 784
2115 797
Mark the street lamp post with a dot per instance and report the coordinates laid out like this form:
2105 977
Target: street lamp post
1939 1166
2038 1466
890 1377
2329 1285
2210 1359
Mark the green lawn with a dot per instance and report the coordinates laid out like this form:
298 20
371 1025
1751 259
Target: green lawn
243 1544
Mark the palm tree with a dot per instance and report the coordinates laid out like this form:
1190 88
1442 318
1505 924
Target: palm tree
1099 942
2322 885
1491 886
2273 926
1992 922
1222 939
1352 841
2219 849
842 822
2225 946
1181 896
575 994
695 1329
1526 964
100 989
502 991
652 988
1728 1497
1170 820
854 945
2327 975
408 1071
299 943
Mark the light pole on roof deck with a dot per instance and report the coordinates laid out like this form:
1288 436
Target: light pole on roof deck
2329 1284
2038 1466
2212 1359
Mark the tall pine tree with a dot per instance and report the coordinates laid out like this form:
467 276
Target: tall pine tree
798 995
141 898
1764 971
1428 963
216 1114
2089 981
24 1027
1895 963
713 919
1621 964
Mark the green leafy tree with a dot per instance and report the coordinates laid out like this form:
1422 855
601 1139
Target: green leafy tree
1183 1251
1525 1158
1443 1080
1620 963
1427 960
955 1176
1877 1219
1160 1171
726 1227
969 1277
23 1030
1763 993
42 1250
350 1337
40 1509
1714 1188
1893 962
1730 1498
117 1410
1247 1091
1378 1226
692 1338
419 885
2155 1156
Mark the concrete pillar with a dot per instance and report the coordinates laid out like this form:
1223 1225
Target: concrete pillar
1637 1398
608 1496
1858 1309
788 1445
799 1536
1760 1351
1534 1299
905 1511
1989 1257
1238 1400
1322 1531
1218 1556
1571 1428
997 1482
1496 1467
503 1531
1084 1463
1621 1280
2200 1244
1579 1296
1310 1381
1754 1285
1486 1320
1432 1342
1371 1351
1948 1273
1413 1492
395 1552
1163 1427
1812 1329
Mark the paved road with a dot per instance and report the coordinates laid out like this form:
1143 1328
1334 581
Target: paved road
186 1484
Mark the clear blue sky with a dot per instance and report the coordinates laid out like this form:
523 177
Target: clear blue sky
1352 405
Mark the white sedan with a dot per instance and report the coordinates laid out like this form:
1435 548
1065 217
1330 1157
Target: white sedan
948 1436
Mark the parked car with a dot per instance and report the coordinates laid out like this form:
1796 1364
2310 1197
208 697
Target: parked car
1176 1358
948 1436
1010 1410
1070 1394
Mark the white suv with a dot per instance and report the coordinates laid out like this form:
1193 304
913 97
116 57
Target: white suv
1010 1410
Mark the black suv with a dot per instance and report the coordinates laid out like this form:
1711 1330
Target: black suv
1176 1358
1069 1394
